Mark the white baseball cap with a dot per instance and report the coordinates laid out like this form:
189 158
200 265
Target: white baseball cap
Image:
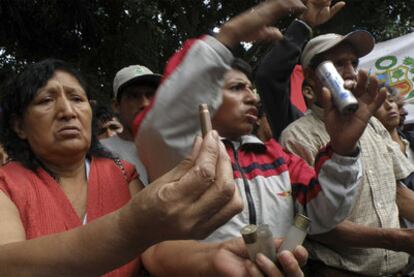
362 41
134 73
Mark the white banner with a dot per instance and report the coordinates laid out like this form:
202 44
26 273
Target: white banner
393 62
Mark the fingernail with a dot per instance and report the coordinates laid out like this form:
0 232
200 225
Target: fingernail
260 258
283 255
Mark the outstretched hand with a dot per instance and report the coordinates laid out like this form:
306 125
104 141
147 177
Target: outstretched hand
194 198
320 11
232 260
256 24
345 131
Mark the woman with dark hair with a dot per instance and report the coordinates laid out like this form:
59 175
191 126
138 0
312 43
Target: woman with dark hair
19 96
67 207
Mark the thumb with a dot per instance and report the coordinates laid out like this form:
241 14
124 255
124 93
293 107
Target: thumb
326 102
379 100
196 148
184 166
336 8
189 161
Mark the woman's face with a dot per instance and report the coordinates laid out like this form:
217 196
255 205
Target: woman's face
58 122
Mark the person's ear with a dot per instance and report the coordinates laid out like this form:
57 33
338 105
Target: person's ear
308 93
17 125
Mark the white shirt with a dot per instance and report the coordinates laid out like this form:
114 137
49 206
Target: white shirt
127 151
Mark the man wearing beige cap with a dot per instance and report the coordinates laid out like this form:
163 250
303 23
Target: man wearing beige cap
365 243
133 87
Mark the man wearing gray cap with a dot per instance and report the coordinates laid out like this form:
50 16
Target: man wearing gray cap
364 244
133 87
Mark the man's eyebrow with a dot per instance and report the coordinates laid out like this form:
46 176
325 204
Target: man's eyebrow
239 81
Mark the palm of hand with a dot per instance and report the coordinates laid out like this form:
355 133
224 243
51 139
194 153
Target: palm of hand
345 131
226 263
320 11
320 16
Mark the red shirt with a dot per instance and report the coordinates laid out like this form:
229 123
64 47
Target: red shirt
44 208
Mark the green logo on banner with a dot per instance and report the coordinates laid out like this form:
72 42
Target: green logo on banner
396 74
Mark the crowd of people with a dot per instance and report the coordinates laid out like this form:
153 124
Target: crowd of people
135 190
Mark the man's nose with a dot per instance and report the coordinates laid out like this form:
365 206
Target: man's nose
349 71
146 100
251 96
387 104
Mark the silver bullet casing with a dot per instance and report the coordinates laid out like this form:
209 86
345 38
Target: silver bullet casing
343 99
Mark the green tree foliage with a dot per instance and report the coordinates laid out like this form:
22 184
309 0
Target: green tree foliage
385 19
101 36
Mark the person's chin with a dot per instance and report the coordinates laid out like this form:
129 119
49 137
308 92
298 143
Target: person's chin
74 145
246 130
394 123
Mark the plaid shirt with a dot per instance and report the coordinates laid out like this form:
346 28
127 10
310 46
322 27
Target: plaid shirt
383 164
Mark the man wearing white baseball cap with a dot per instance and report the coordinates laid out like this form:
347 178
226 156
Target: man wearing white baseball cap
133 88
368 243
361 41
